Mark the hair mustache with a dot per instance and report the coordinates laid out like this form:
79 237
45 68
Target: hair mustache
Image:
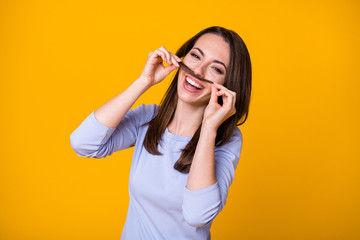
188 70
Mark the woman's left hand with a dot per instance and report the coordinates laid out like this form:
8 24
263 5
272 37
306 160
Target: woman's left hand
215 114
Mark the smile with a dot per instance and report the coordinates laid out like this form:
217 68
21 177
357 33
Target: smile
189 71
193 84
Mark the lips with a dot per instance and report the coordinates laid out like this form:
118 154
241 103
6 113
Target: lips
193 85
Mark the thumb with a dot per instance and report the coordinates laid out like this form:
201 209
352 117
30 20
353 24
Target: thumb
213 97
169 69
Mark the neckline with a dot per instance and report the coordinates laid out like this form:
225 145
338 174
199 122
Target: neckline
177 137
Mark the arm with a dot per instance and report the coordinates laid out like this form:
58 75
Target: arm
202 170
208 179
113 127
112 112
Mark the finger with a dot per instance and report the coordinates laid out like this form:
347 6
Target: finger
223 92
232 93
231 98
154 58
218 86
220 92
231 106
167 54
222 88
228 100
214 96
225 96
175 59
169 69
162 55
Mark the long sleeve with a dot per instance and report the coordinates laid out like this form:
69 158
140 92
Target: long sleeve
93 139
201 206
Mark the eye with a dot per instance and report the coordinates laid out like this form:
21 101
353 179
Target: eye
218 70
195 56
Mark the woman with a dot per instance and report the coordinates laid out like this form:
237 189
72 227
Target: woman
186 150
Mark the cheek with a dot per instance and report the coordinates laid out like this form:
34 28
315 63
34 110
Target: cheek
207 94
187 58
181 76
220 81
190 61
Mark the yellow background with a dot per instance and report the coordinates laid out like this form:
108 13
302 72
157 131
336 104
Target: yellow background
298 175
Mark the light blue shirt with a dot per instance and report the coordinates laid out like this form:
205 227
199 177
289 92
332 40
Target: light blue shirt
160 206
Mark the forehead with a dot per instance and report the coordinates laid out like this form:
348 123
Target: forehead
215 47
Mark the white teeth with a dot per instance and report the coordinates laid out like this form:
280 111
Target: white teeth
193 83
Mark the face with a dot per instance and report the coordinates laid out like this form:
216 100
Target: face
209 58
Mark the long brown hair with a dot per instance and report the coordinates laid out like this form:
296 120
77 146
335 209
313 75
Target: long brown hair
237 79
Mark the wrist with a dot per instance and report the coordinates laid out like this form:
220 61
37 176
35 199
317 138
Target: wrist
208 125
144 82
208 129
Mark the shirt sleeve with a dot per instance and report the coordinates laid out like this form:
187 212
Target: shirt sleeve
201 206
94 139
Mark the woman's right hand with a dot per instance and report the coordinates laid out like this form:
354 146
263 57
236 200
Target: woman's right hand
154 70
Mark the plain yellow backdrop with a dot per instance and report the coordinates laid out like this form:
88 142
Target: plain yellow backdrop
298 175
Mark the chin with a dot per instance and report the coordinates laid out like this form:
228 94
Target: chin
199 101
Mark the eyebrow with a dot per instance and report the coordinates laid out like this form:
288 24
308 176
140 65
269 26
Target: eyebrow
215 61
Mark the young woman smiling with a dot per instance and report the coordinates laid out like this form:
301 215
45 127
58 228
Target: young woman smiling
186 149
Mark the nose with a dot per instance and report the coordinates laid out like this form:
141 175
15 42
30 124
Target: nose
199 70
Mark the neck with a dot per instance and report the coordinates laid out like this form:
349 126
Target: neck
187 119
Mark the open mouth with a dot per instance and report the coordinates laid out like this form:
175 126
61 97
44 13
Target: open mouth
189 71
192 84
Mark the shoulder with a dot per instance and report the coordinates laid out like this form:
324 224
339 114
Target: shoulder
145 112
237 136
235 141
232 149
